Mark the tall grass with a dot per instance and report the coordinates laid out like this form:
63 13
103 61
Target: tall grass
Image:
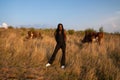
25 59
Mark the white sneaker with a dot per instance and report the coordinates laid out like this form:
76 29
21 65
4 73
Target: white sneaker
63 67
48 64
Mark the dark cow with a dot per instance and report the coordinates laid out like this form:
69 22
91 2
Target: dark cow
34 34
92 36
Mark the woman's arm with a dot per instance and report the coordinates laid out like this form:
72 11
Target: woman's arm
55 35
65 38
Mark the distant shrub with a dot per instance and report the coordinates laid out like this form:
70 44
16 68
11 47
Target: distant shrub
101 29
10 27
79 33
31 29
47 30
117 33
71 32
22 34
90 30
23 28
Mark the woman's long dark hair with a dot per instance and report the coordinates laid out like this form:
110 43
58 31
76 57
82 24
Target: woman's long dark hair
57 30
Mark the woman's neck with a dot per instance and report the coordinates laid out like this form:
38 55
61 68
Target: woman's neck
60 32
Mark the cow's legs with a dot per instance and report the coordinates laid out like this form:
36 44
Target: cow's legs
31 35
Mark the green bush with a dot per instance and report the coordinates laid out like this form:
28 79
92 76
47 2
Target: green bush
90 30
10 27
79 33
117 33
23 28
71 32
101 29
32 29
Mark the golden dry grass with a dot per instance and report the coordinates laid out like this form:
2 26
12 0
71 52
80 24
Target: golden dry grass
25 59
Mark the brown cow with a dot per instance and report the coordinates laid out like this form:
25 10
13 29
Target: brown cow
92 36
34 34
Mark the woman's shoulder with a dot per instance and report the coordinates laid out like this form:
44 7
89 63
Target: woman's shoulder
64 31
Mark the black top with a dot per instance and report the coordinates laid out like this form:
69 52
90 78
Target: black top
60 38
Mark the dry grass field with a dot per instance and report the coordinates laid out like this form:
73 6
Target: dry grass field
22 59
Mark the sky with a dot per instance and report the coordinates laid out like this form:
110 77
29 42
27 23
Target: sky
73 14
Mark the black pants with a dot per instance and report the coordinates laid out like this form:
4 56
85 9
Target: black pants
58 46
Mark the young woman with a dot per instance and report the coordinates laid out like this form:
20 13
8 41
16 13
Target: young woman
60 37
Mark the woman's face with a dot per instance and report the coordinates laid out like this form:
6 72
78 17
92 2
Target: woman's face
60 27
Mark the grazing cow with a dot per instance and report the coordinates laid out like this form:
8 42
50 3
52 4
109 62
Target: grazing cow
92 36
34 34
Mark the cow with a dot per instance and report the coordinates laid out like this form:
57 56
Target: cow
33 34
92 36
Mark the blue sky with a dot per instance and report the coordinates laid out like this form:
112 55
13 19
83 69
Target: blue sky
74 14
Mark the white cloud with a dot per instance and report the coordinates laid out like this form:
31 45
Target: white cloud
4 25
112 24
117 12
